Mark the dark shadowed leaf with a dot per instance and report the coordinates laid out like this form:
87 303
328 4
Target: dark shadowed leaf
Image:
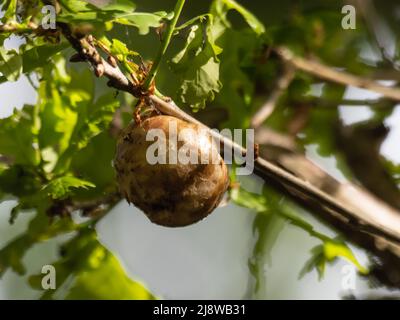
10 64
62 187
197 66
18 136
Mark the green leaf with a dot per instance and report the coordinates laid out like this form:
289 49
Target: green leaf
10 64
266 229
98 117
78 11
3 167
77 6
93 119
316 261
237 73
69 117
12 254
249 200
337 249
328 252
120 5
142 20
2 38
99 172
40 229
10 8
19 181
39 56
96 282
58 118
220 9
60 188
121 12
18 136
60 101
197 66
238 69
393 169
120 50
322 122
88 266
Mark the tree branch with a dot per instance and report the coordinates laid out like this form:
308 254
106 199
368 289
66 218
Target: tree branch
13 27
268 107
29 28
324 72
380 31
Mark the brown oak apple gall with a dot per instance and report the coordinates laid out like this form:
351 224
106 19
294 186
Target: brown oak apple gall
173 194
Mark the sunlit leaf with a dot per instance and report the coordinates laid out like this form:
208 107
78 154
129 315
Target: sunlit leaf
94 119
120 5
328 252
120 12
90 265
60 188
77 6
120 50
338 249
249 200
10 8
220 8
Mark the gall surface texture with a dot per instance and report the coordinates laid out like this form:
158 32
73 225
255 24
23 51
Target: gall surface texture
170 194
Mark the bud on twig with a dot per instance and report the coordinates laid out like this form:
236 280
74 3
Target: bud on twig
112 61
99 70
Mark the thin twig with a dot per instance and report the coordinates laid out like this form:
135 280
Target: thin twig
379 30
268 107
88 52
24 29
164 45
14 27
373 103
322 71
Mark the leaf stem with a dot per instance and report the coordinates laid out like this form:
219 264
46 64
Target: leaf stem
164 44
192 21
